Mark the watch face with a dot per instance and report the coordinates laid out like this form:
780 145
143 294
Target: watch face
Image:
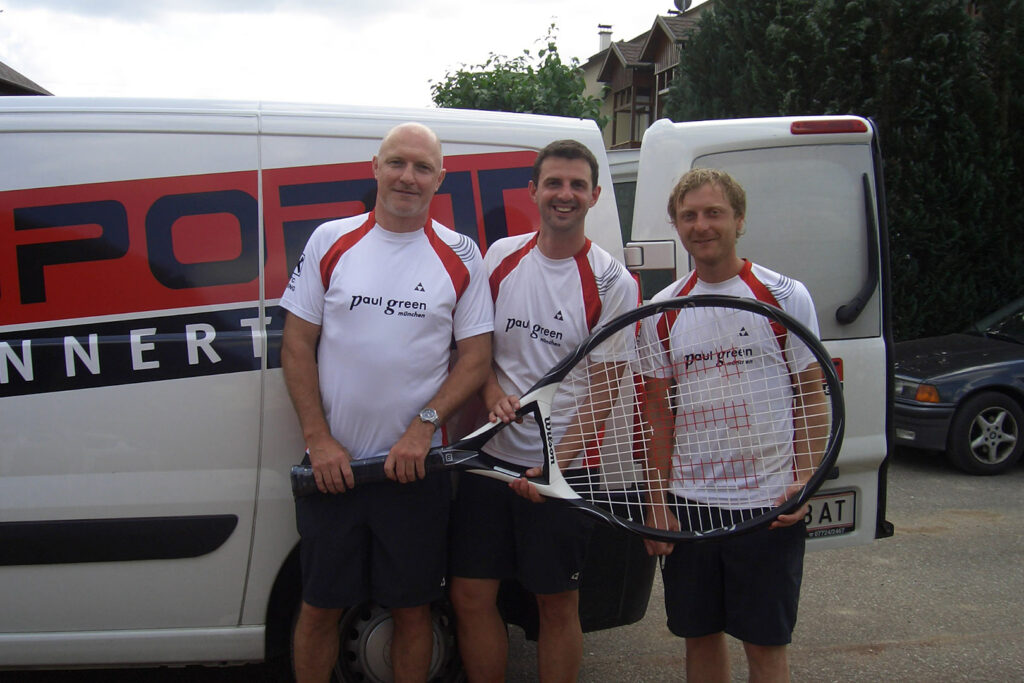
429 415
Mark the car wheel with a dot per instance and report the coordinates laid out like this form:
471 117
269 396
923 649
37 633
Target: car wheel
985 436
365 649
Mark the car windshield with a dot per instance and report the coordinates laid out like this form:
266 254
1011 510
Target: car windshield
1007 323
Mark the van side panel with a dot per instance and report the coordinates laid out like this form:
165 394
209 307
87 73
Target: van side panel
130 381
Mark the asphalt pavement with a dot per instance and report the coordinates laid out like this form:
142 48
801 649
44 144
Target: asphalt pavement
941 600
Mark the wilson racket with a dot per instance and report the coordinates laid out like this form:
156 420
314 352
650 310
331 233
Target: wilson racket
684 419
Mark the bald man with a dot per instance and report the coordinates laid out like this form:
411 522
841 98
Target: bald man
372 308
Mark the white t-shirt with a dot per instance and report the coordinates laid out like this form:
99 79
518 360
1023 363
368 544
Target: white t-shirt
722 453
389 305
543 309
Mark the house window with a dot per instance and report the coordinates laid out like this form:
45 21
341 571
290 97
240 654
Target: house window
664 82
631 115
623 98
665 79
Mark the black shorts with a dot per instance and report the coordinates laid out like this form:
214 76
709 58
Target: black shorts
497 534
747 585
386 542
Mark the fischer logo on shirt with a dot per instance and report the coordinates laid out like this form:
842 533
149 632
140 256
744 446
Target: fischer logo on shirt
297 273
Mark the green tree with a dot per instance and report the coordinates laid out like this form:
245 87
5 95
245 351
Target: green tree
1002 26
536 84
941 84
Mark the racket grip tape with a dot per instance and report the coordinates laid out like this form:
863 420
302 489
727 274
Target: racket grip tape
365 471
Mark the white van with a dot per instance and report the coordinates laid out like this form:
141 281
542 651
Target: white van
145 432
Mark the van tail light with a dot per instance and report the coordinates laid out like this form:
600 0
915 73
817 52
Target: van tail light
828 126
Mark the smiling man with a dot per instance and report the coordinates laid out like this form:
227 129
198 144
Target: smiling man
550 289
749 584
372 309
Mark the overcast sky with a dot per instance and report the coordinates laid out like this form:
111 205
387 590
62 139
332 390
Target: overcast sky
381 52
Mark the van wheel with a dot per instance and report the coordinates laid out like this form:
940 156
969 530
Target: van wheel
364 653
985 435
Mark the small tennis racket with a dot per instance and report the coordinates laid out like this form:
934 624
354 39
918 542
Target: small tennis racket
724 412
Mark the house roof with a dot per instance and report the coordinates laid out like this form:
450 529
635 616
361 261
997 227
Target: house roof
638 53
625 54
13 83
674 27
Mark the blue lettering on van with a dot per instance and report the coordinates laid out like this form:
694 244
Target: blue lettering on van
493 184
170 271
33 259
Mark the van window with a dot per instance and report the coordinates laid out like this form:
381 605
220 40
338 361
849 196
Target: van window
625 195
806 218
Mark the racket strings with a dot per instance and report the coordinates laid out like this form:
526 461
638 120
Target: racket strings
717 425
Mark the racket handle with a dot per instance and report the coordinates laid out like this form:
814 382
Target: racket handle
303 481
365 471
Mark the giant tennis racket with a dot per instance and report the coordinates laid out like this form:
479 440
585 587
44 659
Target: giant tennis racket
724 412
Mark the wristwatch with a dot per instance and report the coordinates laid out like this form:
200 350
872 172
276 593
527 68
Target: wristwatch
430 415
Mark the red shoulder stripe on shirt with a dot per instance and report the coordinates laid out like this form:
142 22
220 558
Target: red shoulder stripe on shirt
668 318
762 293
457 270
343 244
591 297
508 264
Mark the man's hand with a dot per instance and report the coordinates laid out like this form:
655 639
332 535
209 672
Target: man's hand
406 459
524 488
332 466
504 410
783 521
659 517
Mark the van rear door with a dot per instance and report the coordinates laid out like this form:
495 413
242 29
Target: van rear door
814 197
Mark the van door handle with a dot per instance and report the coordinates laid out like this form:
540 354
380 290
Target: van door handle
851 310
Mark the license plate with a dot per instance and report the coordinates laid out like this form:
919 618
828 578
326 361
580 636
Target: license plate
831 514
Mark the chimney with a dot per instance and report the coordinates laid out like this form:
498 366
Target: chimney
604 37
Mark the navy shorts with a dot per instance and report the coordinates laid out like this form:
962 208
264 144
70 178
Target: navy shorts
746 585
385 542
497 534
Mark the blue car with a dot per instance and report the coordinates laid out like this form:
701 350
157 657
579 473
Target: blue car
964 393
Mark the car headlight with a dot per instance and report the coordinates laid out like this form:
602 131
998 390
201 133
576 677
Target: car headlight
911 390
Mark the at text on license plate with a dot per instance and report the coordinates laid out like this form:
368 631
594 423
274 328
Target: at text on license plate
832 514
